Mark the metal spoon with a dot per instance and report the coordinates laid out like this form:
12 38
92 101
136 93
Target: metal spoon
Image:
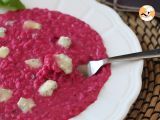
92 67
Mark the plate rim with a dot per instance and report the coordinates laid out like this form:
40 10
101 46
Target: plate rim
137 47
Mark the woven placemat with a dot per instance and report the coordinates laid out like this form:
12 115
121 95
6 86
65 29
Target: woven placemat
147 105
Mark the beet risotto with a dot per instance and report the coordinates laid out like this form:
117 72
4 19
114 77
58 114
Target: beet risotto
39 54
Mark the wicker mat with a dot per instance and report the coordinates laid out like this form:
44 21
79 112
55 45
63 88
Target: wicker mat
147 105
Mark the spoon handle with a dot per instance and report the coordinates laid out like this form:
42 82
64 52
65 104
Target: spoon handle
135 56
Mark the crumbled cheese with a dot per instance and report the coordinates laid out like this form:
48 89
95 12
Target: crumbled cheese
29 24
5 94
33 63
47 88
64 62
2 31
26 105
4 51
64 42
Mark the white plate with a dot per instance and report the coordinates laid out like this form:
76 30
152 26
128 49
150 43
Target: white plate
123 87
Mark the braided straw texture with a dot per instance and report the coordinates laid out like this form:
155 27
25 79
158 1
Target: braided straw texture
147 105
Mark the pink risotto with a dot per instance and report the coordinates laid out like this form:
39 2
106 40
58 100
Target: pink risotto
39 54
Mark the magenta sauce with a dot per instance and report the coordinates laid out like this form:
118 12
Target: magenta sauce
75 92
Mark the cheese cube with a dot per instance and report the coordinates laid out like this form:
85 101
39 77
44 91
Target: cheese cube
2 31
4 51
47 88
29 24
26 105
5 94
64 62
33 63
64 42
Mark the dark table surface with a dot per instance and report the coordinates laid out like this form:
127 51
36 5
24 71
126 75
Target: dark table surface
134 5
